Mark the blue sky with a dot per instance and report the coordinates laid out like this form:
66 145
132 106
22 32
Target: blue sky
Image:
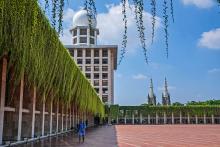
193 66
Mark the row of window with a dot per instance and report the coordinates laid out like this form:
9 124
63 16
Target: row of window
96 68
88 61
88 53
104 90
97 75
84 40
84 32
104 83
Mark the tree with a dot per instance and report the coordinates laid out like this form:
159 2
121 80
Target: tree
177 104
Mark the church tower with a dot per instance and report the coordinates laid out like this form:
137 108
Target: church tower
151 95
165 95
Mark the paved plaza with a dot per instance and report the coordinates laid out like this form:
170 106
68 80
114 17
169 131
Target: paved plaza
140 136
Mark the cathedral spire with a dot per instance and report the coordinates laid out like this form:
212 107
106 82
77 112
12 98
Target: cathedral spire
151 95
165 94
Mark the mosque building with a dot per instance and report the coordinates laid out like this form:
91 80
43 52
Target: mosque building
98 62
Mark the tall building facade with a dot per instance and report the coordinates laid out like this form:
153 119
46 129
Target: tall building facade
151 96
166 94
98 62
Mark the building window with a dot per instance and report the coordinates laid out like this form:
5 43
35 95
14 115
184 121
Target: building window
71 52
79 61
97 90
79 53
96 76
88 61
96 53
96 82
88 68
104 75
83 40
105 53
75 41
96 68
92 41
104 68
83 31
105 90
88 75
80 67
75 32
104 98
104 82
88 53
96 61
104 61
92 32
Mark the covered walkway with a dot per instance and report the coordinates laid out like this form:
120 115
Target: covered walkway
104 136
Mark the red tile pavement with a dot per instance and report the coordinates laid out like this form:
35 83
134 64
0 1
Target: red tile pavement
168 135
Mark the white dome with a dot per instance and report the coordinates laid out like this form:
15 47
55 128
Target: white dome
81 19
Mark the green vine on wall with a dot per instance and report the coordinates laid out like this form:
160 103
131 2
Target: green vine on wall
34 50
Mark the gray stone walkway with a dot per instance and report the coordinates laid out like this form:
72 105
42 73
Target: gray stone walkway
104 136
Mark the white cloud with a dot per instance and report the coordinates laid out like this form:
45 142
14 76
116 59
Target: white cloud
66 38
169 88
139 77
199 3
210 39
214 70
111 27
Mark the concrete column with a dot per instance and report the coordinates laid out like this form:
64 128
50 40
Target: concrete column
213 120
132 118
33 112
141 119
88 36
66 118
188 118
57 114
2 101
43 117
51 117
125 121
117 120
173 118
73 117
164 118
78 36
196 119
148 118
157 118
20 107
70 117
180 117
204 119
62 119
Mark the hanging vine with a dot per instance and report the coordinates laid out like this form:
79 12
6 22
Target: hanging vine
60 19
165 16
124 41
153 13
171 10
54 13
